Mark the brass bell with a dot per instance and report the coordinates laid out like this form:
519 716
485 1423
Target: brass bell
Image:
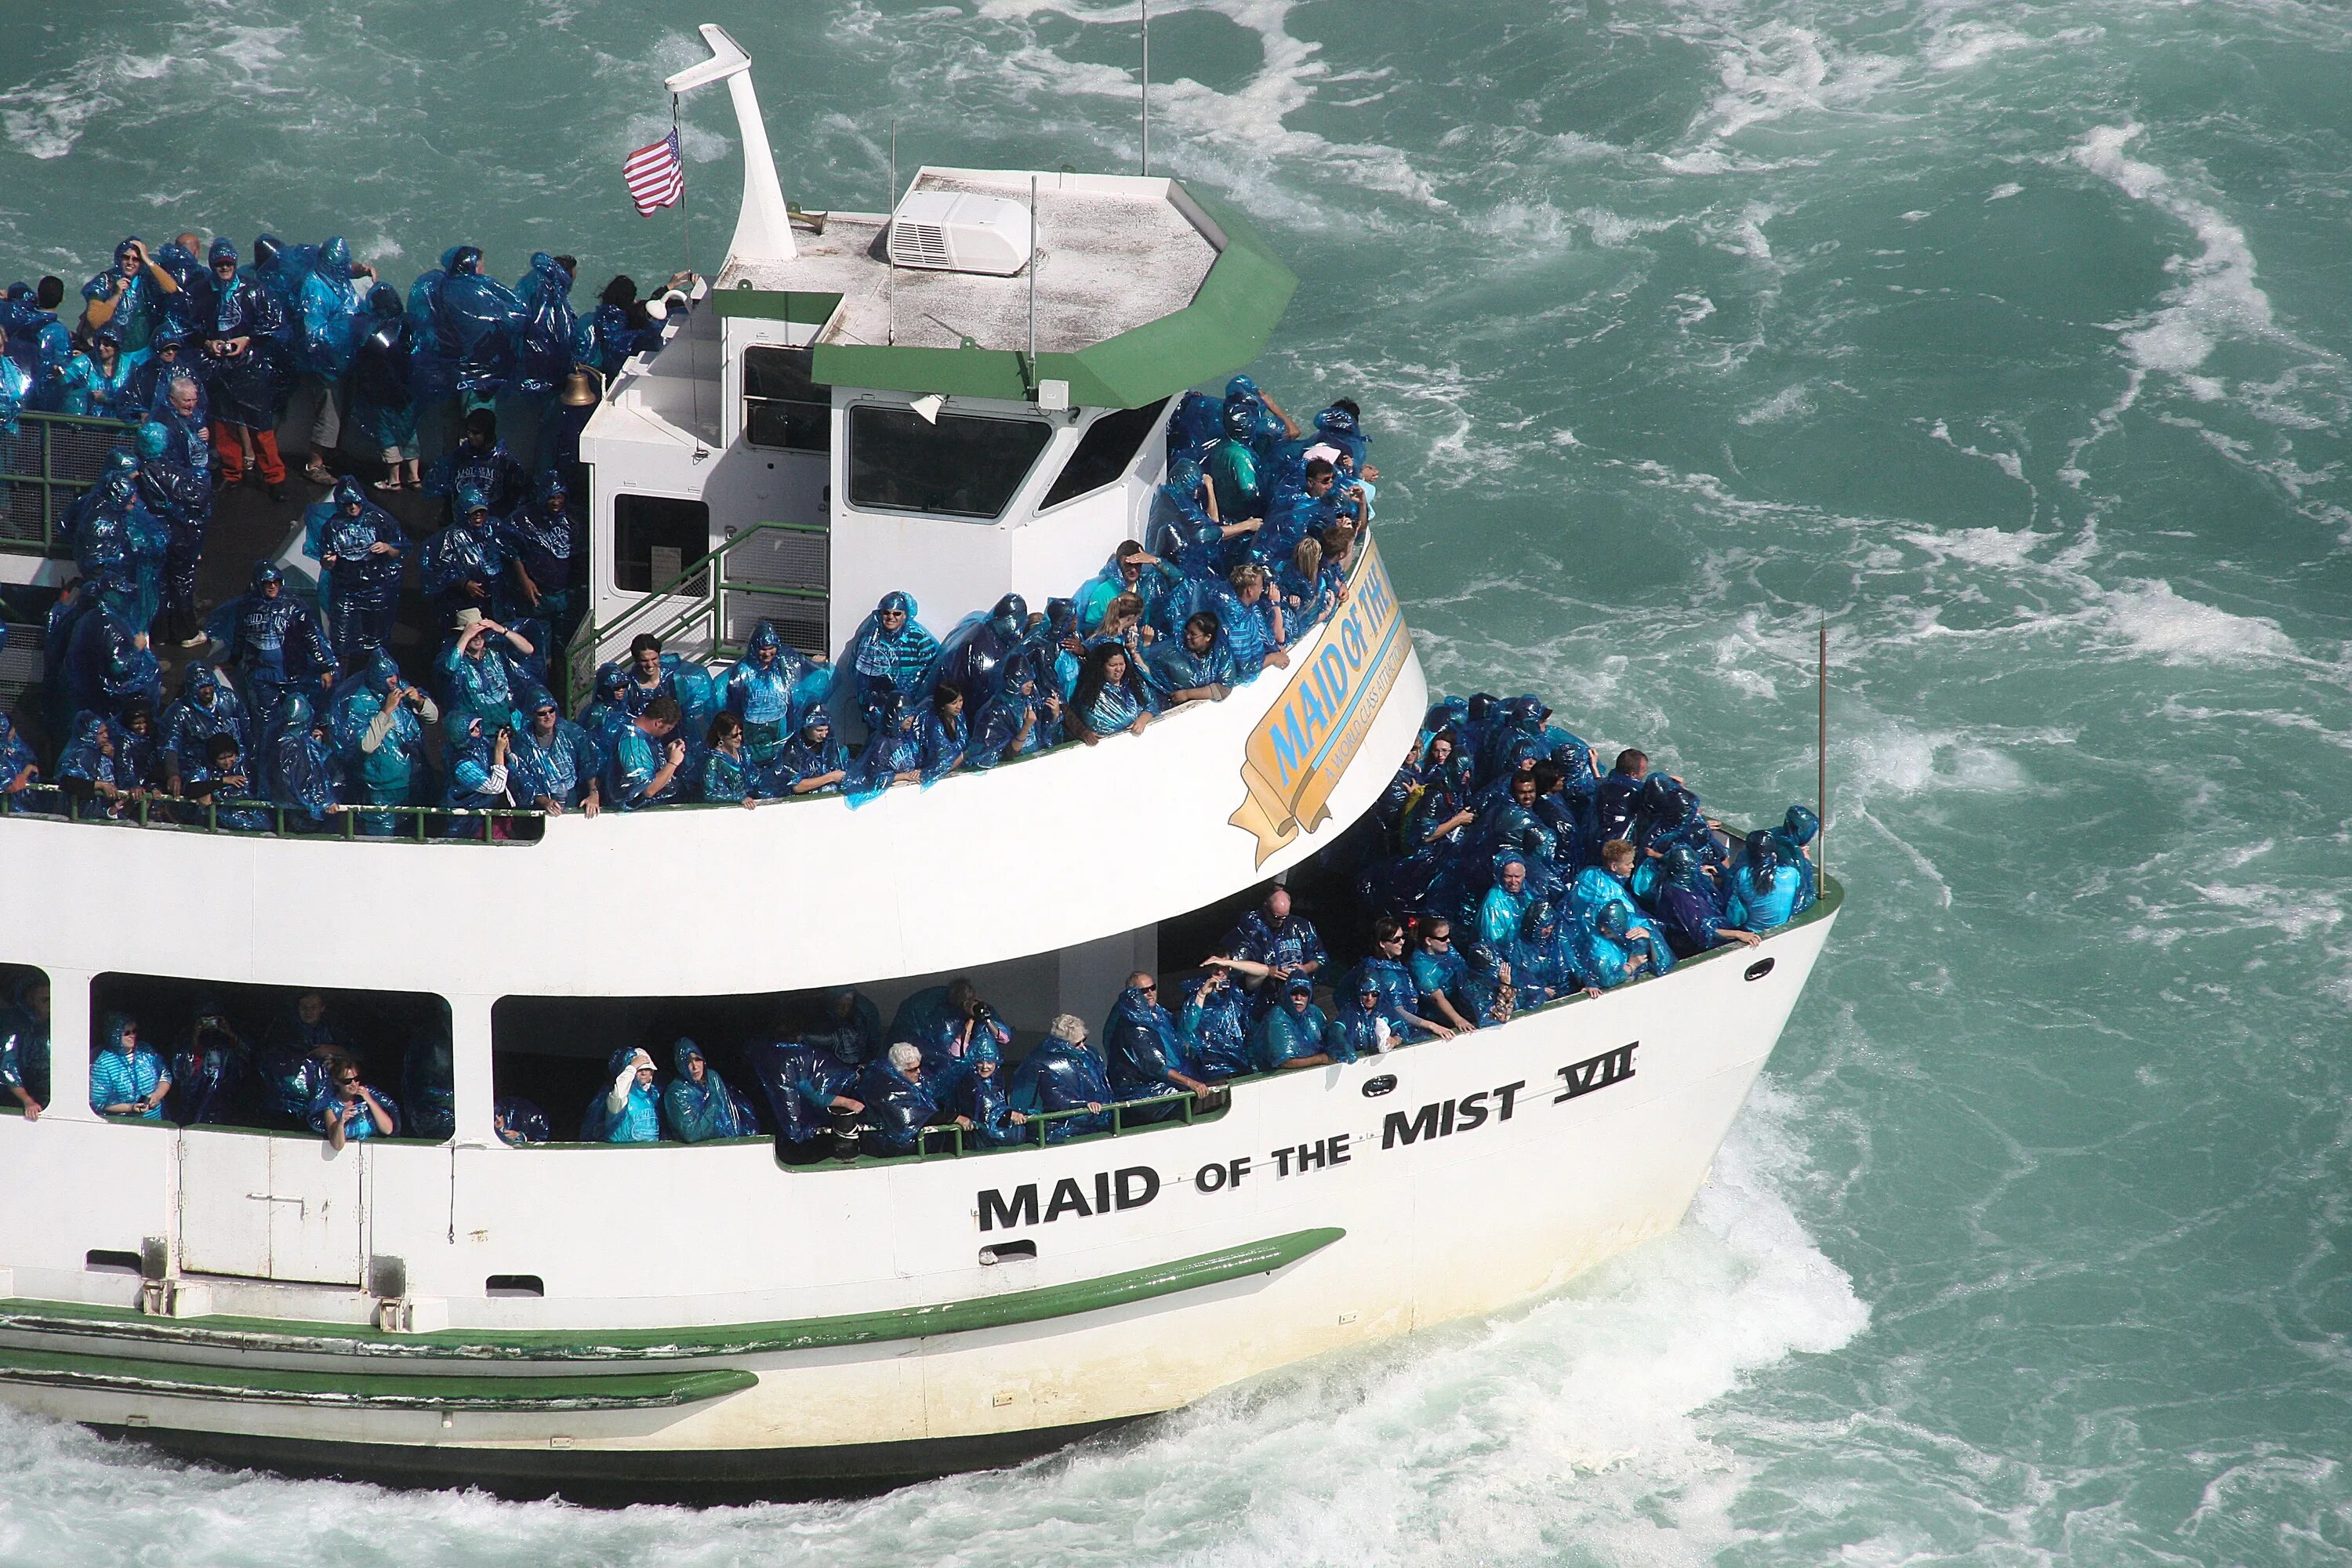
580 389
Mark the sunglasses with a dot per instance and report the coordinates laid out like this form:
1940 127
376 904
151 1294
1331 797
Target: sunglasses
347 1081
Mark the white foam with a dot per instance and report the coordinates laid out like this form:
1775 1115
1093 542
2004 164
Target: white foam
2149 618
2003 192
1788 403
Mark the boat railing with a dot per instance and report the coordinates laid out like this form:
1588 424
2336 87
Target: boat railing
391 824
724 596
46 464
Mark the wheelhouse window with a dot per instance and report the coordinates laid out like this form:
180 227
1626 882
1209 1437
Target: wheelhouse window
783 405
1106 452
655 538
963 466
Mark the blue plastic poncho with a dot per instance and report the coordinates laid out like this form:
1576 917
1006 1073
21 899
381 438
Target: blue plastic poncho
476 781
480 677
1690 914
683 681
105 669
1144 1048
626 1111
632 762
383 410
19 767
1400 997
1799 828
25 1044
461 564
1763 889
1232 466
699 1112
892 754
209 1071
882 663
810 756
520 1122
379 754
1358 1028
1293 946
139 303
87 765
1105 707
975 657
125 1073
897 1108
301 760
466 332
548 539
332 318
1615 801
273 640
1059 1076
1215 1025
1249 628
1291 1029
558 765
983 1097
544 335
475 475
249 387
327 1107
769 690
205 711
1014 723
1173 666
1181 532
801 1079
110 384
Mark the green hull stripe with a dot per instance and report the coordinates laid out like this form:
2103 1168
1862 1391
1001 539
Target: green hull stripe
278 1336
368 1390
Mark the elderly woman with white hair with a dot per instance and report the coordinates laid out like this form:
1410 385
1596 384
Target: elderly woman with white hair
898 1102
1065 1073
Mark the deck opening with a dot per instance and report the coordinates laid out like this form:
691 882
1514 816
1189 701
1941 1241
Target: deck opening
1004 1251
99 1260
525 1285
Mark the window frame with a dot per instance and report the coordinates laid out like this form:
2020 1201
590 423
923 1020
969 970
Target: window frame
1155 423
849 475
821 410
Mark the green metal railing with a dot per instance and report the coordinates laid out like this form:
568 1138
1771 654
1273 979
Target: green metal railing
410 824
45 466
713 596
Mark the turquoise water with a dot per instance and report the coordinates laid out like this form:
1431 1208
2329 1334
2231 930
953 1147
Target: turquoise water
2010 338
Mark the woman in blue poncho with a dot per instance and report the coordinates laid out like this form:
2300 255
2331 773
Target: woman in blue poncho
1111 698
1216 1022
890 654
1797 832
1065 1074
1763 889
769 688
898 1102
127 1078
943 735
983 1099
724 774
629 1111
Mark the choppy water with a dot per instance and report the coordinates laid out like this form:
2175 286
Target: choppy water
2011 337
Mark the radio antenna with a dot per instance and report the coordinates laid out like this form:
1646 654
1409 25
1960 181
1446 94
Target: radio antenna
1143 21
1821 761
1033 281
889 248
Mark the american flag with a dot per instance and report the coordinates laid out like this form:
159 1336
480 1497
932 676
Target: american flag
655 175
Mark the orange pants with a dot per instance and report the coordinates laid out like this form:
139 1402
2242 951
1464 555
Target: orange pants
230 450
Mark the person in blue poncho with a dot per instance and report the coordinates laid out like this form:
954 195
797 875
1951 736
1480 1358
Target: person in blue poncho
1797 832
128 295
976 657
1619 794
810 1085
697 1106
1763 885
1287 945
480 466
1545 969
653 674
1616 949
1385 970
476 756
1232 467
302 764
127 1078
519 1122
181 498
25 1048
1133 570
62 383
1185 530
1020 719
1502 915
1195 667
616 328
360 544
347 1111
473 320
898 1102
545 336
206 707
1308 587
630 1110
893 753
1441 977
1214 1021
1690 912
87 769
245 373
1064 1074
382 408
723 772
944 736
637 773
273 641
943 1021
114 369
1290 1036
1512 826
118 545
769 688
1358 1026
292 1067
1309 511
332 318
983 1100
1145 1049
1252 619
378 723
890 654
812 762
1564 804
1596 887
1111 698
107 667
478 669
226 787
19 769
555 763
462 562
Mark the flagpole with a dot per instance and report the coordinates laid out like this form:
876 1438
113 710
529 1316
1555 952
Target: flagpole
686 232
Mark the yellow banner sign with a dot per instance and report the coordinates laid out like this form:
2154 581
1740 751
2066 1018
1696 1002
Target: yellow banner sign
1305 742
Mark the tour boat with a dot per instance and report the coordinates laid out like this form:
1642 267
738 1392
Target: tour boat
963 398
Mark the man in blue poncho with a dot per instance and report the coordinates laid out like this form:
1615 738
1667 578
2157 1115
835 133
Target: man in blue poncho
653 674
629 1111
1020 719
943 1021
548 326
891 654
1797 832
769 688
479 669
1613 949
1216 1022
810 1085
180 497
519 1122
899 1101
1502 916
1132 570
360 545
292 1069
1232 467
273 640
1065 1074
1144 1048
1290 1034
1360 1028
1597 886
1691 916
245 373
463 561
19 769
473 320
555 763
976 657
206 709
127 1078
476 756
348 1111
697 1106
546 552
382 408
1287 945
118 545
1618 797
302 764
1252 620
481 465
635 775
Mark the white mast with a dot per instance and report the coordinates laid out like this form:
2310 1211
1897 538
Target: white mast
763 231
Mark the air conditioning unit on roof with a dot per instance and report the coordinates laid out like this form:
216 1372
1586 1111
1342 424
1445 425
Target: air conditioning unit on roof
950 231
